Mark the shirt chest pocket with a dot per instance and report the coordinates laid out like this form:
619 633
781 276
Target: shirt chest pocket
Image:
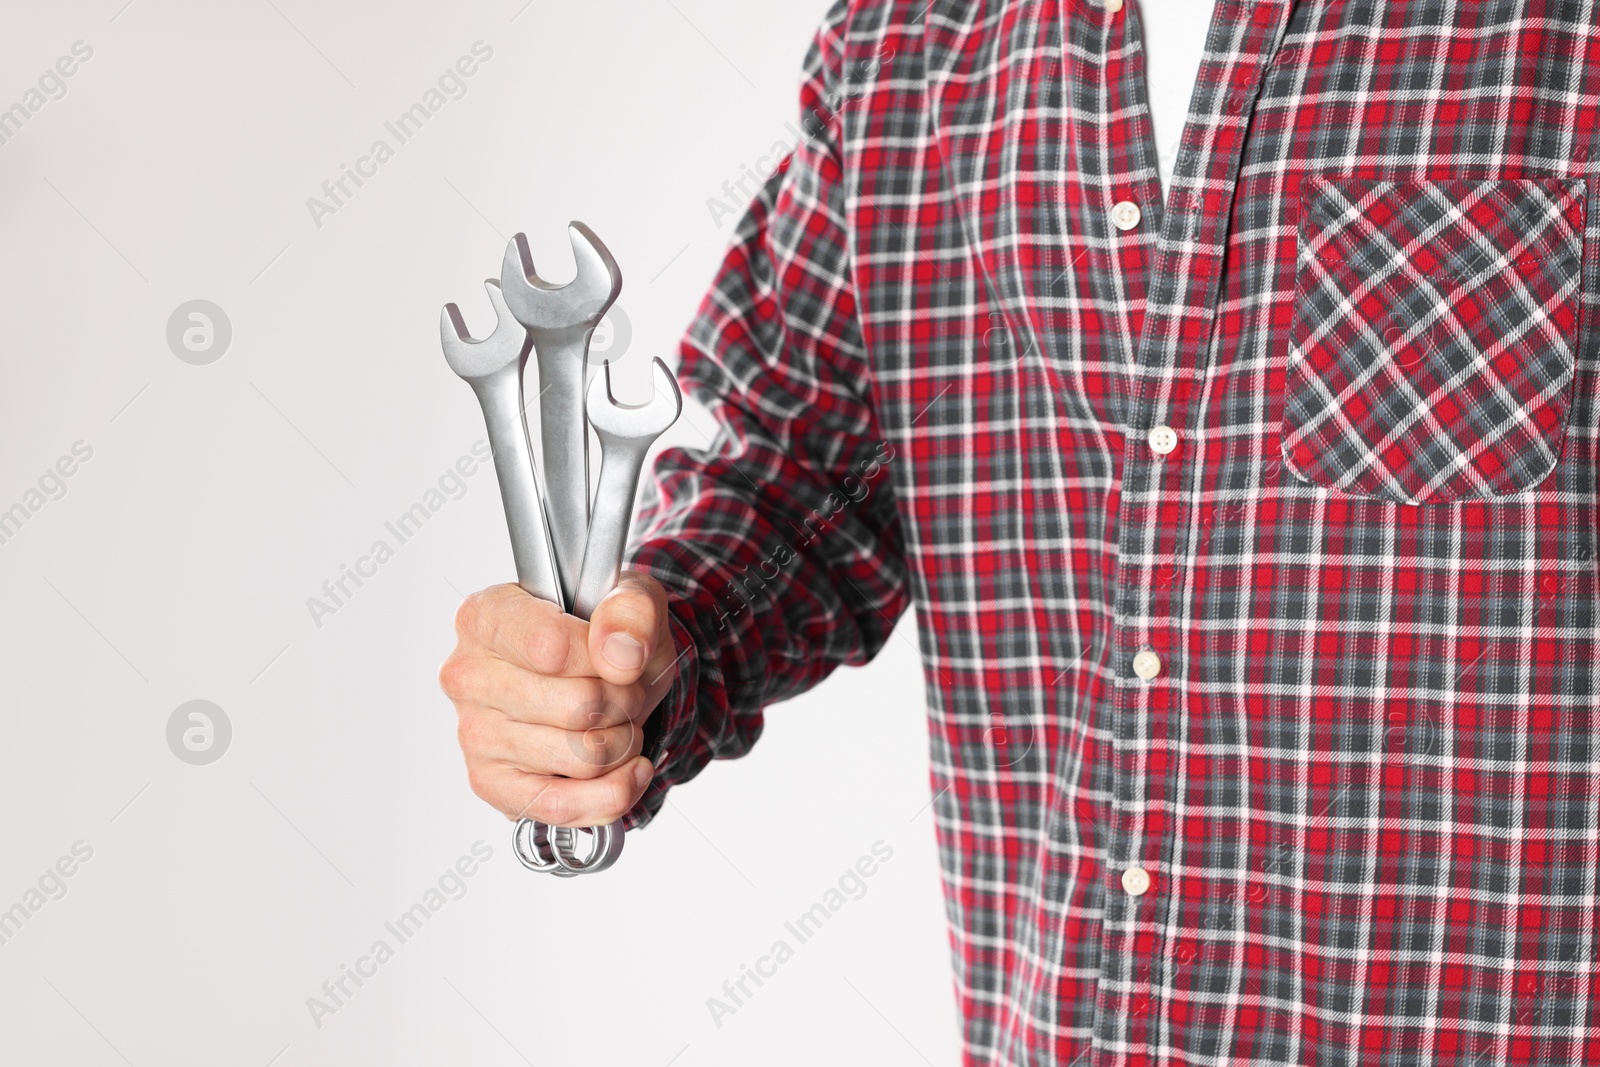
1434 331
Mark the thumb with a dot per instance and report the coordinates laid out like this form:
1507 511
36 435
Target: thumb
628 628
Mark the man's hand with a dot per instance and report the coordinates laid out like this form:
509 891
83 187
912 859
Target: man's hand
552 709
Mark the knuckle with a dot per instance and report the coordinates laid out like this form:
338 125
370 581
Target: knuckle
548 646
469 615
469 732
632 742
619 798
456 676
594 752
588 707
629 701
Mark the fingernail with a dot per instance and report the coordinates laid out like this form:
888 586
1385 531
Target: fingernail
623 652
642 773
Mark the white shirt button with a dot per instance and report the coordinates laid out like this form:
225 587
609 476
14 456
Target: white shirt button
1125 215
1146 664
1163 439
1113 6
1135 881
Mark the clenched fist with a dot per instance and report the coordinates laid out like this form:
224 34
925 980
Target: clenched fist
552 709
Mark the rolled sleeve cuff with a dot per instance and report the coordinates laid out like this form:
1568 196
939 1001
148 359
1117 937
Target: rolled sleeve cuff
670 727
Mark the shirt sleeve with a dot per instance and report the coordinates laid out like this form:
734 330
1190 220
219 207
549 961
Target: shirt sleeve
779 544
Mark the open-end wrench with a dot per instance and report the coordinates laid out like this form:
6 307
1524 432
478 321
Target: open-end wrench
561 319
626 434
493 367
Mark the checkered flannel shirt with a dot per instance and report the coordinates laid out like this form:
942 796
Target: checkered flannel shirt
1251 535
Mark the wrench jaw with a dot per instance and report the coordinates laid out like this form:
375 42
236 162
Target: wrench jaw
471 358
595 262
612 418
574 307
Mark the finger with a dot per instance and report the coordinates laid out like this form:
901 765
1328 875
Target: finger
563 801
547 750
525 631
526 697
628 628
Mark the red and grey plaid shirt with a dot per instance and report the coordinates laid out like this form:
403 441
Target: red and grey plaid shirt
1252 536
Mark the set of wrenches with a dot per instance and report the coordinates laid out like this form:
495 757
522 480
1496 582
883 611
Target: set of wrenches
567 545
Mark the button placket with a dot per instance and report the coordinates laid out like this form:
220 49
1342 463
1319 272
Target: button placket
1154 536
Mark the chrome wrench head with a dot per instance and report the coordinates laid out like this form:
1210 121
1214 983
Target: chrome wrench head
561 320
472 359
493 367
635 424
576 305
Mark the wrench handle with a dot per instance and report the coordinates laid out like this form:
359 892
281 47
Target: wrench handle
564 433
620 467
501 398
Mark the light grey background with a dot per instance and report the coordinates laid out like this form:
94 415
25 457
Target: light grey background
219 897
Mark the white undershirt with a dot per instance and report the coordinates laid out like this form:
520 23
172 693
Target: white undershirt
1174 41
